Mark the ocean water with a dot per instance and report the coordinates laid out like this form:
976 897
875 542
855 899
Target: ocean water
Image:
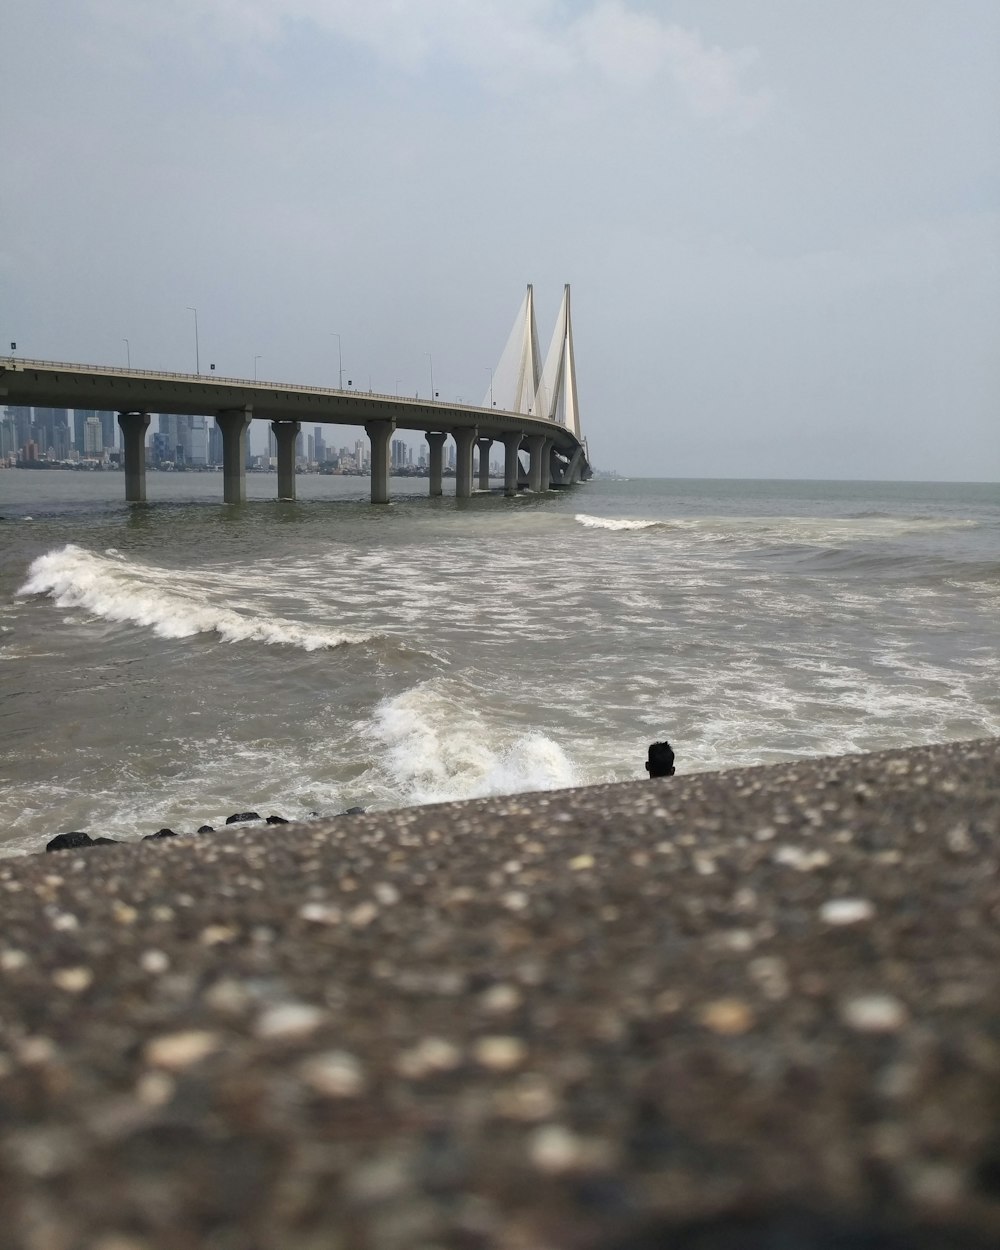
169 664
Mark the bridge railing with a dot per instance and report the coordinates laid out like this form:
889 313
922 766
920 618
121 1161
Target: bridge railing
29 362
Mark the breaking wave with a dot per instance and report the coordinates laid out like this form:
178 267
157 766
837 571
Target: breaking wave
614 523
163 601
438 748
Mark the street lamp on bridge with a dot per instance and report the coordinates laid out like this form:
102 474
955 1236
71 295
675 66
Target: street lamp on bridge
128 354
255 359
340 359
197 357
490 367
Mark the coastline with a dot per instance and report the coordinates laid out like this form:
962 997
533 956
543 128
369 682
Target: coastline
714 1010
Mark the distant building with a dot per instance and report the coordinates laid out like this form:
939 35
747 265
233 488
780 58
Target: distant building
93 438
198 442
214 444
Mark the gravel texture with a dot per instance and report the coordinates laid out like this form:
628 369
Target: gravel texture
733 1011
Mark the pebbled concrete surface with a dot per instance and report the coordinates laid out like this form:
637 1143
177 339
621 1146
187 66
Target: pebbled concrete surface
736 1011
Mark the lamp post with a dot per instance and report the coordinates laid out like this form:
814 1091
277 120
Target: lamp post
431 359
340 360
398 380
197 356
255 359
492 404
128 354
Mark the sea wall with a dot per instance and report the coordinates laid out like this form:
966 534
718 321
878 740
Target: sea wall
745 1009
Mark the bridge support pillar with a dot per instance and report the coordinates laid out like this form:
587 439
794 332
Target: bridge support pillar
436 444
511 464
546 459
484 443
285 434
234 425
464 439
133 427
536 448
380 433
571 474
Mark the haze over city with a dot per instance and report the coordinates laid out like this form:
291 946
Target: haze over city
780 220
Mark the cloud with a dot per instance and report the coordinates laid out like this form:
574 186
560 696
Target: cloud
508 46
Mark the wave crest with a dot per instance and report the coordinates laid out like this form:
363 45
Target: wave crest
439 749
614 523
157 599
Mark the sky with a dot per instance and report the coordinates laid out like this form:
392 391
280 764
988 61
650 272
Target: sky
780 218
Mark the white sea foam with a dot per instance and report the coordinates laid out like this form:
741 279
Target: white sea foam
170 604
438 747
614 523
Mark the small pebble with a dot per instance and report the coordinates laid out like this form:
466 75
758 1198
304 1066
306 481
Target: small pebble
728 1017
216 935
12 960
386 893
581 862
73 980
335 1074
177 1051
363 915
500 999
287 1021
554 1149
499 1054
842 911
431 1054
321 913
154 962
874 1013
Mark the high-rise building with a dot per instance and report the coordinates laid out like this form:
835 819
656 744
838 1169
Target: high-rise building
198 441
8 437
310 448
22 425
272 445
93 437
214 444
80 416
46 420
109 430
319 446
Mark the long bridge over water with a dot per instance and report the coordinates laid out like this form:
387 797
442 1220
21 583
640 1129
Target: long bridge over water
541 419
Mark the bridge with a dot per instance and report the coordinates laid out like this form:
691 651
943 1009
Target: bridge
537 413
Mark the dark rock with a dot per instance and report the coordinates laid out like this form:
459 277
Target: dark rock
106 841
160 833
206 829
239 816
69 841
354 811
276 820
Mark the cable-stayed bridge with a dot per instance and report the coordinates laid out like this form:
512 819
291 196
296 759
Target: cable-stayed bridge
531 408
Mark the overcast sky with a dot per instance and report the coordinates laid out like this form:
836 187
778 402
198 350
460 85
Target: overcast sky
780 218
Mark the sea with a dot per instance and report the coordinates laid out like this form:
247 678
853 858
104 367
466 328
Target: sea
172 663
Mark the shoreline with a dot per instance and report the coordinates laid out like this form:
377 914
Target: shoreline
722 1009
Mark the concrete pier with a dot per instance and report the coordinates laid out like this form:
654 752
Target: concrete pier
234 425
285 434
536 450
752 1010
133 426
464 440
380 433
511 465
435 442
484 443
